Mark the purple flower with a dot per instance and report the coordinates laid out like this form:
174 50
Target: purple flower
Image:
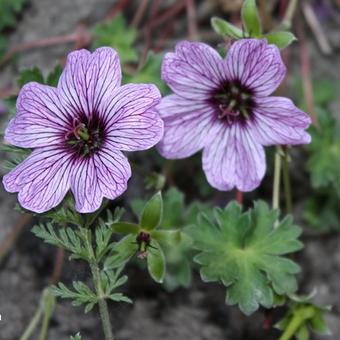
78 132
224 107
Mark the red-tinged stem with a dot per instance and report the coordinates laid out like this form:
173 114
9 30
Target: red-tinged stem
306 73
118 7
139 13
239 196
191 15
174 10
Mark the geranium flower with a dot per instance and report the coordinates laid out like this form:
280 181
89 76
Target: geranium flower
78 132
223 106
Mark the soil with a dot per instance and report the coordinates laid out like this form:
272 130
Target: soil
196 314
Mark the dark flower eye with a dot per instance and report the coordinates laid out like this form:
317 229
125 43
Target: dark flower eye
78 132
225 108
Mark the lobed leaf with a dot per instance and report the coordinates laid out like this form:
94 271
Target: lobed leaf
245 252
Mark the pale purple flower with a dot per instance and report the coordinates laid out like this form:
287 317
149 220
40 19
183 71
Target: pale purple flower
224 107
78 132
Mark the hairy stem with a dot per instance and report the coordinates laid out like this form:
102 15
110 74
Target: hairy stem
277 178
286 182
103 309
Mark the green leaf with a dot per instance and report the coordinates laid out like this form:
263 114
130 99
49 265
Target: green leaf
9 10
156 262
324 160
167 237
244 251
116 34
149 74
122 251
76 337
80 295
302 333
63 237
225 28
54 75
280 39
29 75
251 19
152 213
318 324
125 228
178 253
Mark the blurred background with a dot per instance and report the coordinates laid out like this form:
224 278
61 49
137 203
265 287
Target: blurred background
36 35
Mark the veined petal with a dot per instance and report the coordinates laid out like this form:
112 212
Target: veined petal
105 174
278 121
188 126
234 159
89 78
40 119
131 121
256 65
42 179
193 70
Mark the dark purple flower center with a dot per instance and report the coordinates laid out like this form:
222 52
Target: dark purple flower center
234 102
85 136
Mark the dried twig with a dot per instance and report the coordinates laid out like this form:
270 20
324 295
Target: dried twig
315 26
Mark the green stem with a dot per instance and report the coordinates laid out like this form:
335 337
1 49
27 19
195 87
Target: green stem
299 318
103 309
292 328
288 18
286 182
277 179
33 323
48 305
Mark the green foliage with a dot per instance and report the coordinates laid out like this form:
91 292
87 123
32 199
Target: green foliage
321 211
156 262
34 74
303 317
178 251
81 294
64 214
324 160
9 10
67 238
76 337
149 73
223 27
281 39
251 19
152 213
148 238
28 75
117 34
17 155
245 252
252 27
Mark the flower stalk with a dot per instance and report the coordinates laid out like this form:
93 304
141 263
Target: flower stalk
277 178
103 309
286 182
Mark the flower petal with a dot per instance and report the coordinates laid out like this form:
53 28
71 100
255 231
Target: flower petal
89 78
188 126
193 70
278 121
40 119
256 65
103 175
131 121
42 179
234 159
